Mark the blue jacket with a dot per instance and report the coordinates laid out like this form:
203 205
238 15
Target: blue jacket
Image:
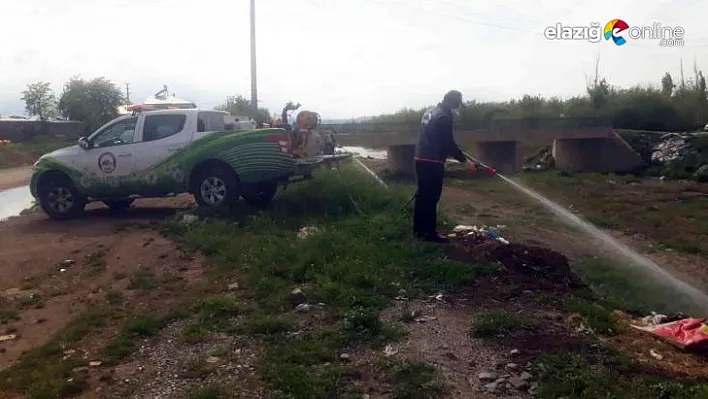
436 142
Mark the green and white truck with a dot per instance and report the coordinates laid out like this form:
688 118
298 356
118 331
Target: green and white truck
167 152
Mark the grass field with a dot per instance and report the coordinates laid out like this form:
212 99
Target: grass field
316 310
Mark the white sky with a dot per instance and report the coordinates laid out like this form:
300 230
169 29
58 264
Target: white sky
341 58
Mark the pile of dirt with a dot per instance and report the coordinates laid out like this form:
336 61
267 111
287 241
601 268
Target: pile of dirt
526 267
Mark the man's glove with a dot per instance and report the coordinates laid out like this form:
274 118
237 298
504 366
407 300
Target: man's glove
471 168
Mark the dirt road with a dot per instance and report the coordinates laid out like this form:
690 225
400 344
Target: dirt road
14 177
52 271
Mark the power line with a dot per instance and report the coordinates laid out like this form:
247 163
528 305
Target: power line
407 4
459 17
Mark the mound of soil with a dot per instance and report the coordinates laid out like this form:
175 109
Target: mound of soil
526 267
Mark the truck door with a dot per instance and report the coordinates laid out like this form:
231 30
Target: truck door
159 161
109 161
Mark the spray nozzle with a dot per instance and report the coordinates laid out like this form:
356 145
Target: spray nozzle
490 170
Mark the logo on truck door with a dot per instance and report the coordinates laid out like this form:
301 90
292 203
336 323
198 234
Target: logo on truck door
107 162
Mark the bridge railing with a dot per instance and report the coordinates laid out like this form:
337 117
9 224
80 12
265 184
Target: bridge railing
495 124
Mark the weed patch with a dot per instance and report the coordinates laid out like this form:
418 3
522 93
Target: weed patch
574 376
353 265
209 392
622 287
96 261
499 324
126 342
143 279
42 373
598 318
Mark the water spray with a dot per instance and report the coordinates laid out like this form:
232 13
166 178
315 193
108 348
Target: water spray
698 297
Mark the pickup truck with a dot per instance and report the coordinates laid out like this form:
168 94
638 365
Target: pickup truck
165 153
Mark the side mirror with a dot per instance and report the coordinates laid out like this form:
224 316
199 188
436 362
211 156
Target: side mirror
83 143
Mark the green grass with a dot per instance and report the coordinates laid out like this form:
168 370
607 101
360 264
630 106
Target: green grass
143 279
215 314
627 288
33 149
355 265
574 376
213 391
96 261
414 381
598 318
41 372
126 342
499 324
669 213
114 298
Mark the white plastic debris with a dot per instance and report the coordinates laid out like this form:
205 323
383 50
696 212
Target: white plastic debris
389 351
654 318
438 296
307 231
188 219
655 354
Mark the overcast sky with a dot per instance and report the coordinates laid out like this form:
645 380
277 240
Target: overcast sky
342 58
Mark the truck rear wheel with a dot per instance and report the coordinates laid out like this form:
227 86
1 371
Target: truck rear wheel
216 186
261 195
60 199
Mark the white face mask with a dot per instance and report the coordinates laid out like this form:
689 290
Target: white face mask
456 112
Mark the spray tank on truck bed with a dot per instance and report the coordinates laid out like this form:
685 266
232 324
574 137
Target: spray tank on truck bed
307 139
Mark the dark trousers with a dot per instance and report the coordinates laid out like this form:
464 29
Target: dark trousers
430 182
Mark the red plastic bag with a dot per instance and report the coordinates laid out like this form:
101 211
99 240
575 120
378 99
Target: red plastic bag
687 334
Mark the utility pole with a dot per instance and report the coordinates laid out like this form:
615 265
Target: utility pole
127 93
254 88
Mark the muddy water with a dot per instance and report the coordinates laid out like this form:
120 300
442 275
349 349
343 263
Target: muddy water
14 201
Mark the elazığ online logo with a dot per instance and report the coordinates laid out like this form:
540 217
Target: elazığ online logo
616 30
610 31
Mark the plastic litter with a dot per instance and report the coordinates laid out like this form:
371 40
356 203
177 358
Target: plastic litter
389 350
687 334
462 230
307 231
655 354
9 337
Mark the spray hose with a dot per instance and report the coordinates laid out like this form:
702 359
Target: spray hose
487 168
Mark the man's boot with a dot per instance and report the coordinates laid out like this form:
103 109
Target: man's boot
434 237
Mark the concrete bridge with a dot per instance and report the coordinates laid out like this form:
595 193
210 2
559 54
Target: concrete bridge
588 145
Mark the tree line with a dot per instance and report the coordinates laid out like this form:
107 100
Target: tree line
93 102
96 101
675 104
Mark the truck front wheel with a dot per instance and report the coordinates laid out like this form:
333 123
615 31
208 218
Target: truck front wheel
60 199
215 186
261 195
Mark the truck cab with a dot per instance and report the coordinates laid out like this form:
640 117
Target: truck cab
162 153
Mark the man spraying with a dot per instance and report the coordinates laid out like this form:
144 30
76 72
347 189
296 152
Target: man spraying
436 143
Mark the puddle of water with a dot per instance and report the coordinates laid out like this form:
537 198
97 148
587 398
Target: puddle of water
366 152
14 201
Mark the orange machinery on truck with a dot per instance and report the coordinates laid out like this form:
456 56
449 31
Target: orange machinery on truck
307 139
